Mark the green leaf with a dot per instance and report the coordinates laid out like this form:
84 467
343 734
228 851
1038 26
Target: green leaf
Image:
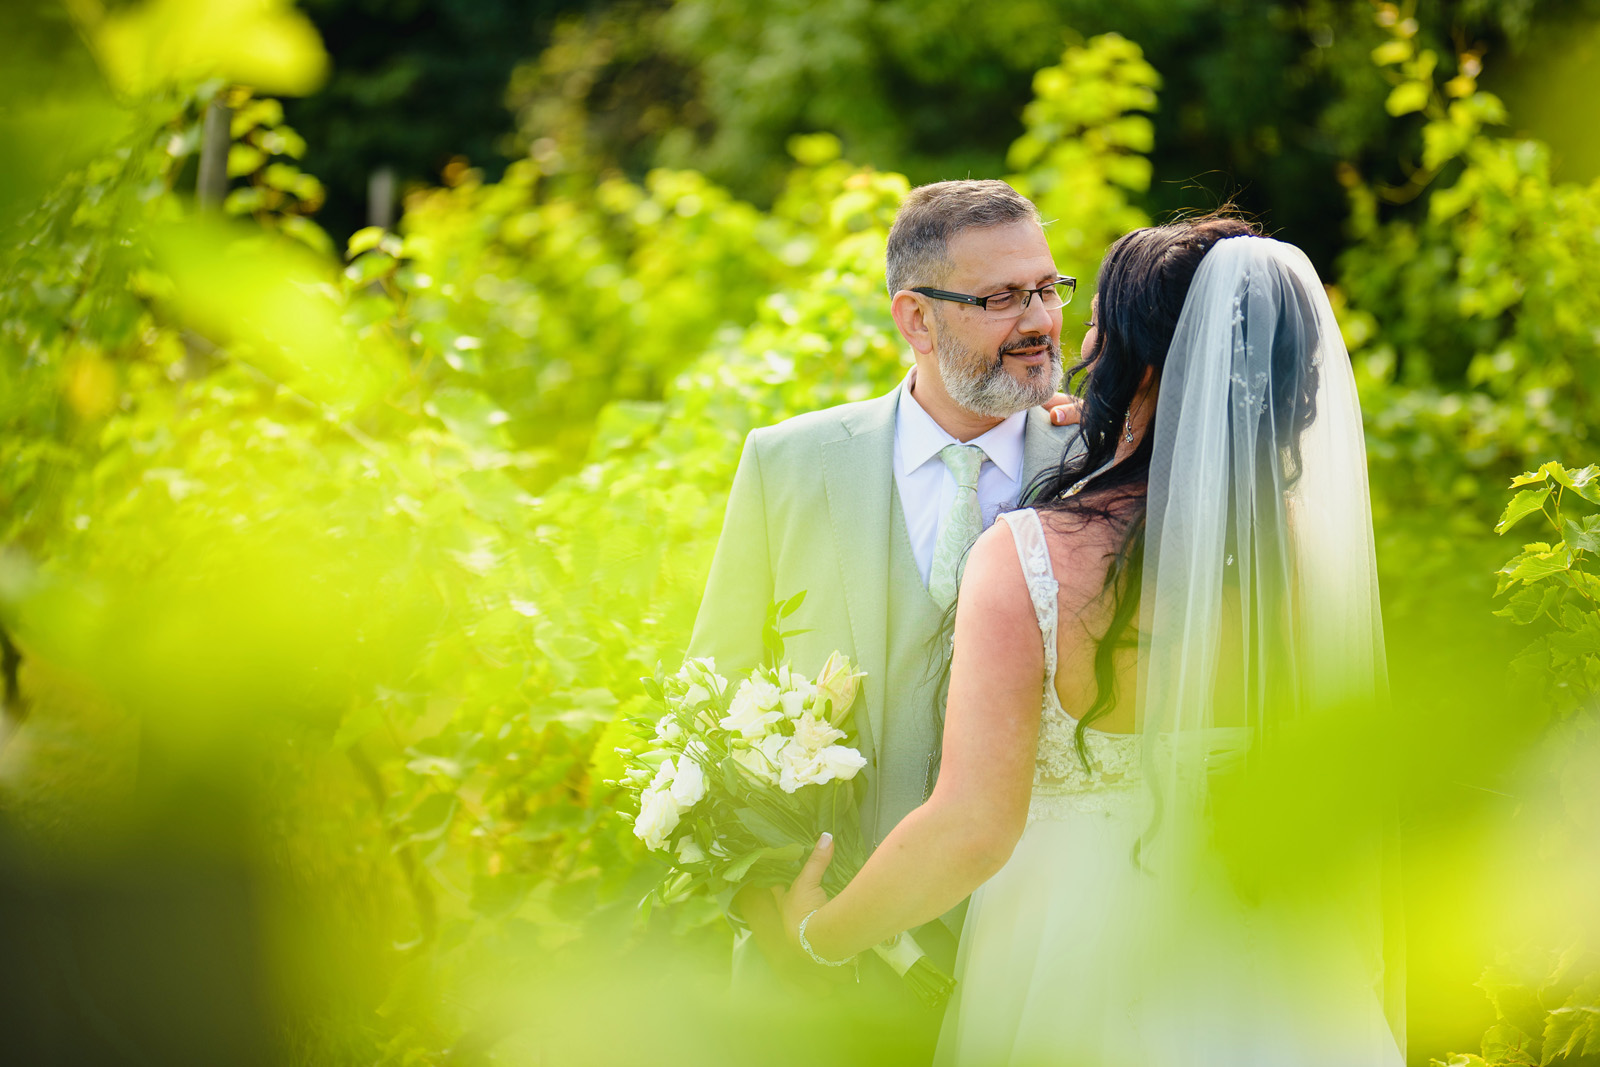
364 239
792 605
1575 1026
1537 477
1407 97
1584 482
1521 506
1536 566
1524 605
1583 536
1391 52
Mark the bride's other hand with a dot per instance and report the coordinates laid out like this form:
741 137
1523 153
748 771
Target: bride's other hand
1064 410
805 895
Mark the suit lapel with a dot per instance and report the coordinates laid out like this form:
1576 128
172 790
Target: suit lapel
1043 444
858 473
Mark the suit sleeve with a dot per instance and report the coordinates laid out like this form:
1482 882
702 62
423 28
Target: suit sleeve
739 588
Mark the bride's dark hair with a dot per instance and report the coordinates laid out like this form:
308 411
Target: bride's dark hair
1144 280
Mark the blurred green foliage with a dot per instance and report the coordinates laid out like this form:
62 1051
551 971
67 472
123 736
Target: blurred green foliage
376 546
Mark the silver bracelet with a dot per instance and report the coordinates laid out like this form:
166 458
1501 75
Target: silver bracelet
813 952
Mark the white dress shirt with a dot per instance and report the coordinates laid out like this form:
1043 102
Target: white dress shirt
926 485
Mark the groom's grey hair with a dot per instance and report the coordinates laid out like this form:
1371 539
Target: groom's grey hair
919 241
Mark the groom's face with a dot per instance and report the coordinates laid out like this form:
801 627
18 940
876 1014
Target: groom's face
990 364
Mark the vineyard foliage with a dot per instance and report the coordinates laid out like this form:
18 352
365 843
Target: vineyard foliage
384 541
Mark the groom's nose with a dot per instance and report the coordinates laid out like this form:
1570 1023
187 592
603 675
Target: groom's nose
1036 318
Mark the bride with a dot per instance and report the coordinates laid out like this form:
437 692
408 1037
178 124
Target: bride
1111 795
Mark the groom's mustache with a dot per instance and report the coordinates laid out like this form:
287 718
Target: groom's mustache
1029 343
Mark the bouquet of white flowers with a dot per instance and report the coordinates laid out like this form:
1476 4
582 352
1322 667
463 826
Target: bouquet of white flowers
737 783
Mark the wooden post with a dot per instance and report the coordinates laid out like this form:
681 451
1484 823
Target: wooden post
217 137
380 198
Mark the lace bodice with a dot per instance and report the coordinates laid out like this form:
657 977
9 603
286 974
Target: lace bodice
1060 781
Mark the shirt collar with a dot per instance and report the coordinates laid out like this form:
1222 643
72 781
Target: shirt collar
921 438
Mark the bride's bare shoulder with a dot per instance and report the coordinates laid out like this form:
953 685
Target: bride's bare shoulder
1084 539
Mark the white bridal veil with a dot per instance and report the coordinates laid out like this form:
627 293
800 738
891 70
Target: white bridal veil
1263 678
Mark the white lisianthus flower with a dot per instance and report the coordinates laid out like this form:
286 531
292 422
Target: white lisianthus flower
800 765
702 672
668 730
657 818
837 761
689 851
664 773
688 784
815 734
838 683
756 706
697 694
794 703
795 767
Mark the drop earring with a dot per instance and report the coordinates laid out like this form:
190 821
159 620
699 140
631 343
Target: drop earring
1127 426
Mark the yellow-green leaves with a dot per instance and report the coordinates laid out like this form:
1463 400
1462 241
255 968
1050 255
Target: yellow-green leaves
1522 505
262 43
1407 97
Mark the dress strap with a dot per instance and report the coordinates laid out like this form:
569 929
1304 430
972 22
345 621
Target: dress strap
1042 585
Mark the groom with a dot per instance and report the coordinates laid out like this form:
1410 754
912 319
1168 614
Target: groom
869 507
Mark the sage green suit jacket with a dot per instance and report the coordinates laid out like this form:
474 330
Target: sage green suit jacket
810 509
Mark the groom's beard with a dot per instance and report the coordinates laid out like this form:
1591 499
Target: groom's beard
984 387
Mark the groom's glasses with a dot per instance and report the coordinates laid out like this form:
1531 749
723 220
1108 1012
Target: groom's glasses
1011 303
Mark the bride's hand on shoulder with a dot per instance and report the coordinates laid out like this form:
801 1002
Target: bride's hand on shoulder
1064 410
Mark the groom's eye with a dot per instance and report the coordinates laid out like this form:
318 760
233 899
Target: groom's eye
1000 301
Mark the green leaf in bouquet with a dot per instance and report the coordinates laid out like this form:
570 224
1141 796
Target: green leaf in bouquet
652 688
1521 506
766 829
772 641
739 869
792 605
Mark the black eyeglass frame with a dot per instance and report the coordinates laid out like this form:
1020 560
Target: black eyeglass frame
983 301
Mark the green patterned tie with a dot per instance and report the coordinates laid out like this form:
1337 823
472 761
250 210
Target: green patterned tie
962 523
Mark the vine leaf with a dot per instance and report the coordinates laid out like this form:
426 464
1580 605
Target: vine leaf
1522 505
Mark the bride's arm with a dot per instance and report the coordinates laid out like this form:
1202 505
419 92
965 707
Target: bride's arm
966 830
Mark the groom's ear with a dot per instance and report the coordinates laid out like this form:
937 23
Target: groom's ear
914 320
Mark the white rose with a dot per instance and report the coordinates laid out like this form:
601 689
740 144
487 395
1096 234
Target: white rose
839 762
657 818
689 784
752 712
697 694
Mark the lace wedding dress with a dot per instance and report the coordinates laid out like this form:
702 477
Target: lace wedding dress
1065 962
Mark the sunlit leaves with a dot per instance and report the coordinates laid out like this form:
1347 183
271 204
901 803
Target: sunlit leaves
1522 505
263 43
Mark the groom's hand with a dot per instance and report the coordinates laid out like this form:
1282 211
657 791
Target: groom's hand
1064 410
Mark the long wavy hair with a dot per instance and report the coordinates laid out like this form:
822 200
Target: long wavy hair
1144 280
